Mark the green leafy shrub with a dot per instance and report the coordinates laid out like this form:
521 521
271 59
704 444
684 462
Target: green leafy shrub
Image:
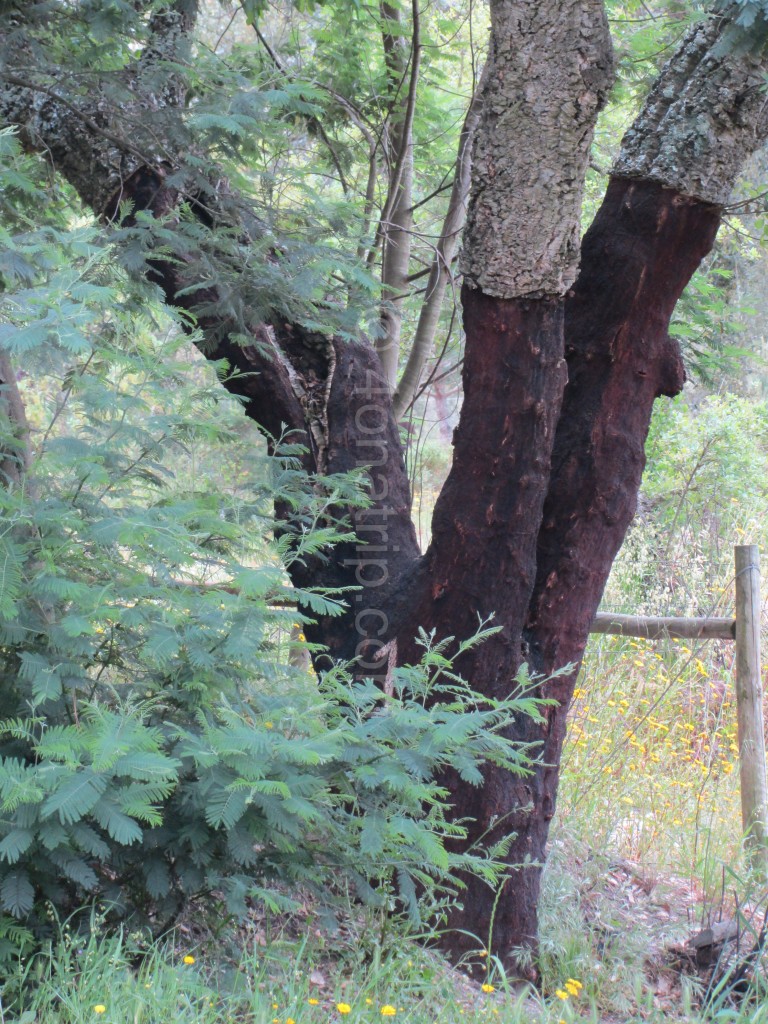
156 747
145 810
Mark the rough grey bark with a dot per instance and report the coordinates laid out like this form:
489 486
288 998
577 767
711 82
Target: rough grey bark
706 111
547 79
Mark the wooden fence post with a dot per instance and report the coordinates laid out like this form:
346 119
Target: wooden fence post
749 705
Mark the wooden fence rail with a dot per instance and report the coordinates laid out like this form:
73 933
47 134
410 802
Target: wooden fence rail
745 631
653 627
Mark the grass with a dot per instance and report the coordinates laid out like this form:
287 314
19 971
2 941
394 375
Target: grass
303 980
297 979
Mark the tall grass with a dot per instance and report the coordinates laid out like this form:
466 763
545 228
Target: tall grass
299 978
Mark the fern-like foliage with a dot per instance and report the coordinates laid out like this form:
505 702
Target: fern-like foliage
156 745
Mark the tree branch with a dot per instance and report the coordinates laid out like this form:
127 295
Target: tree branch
440 271
397 215
312 118
16 460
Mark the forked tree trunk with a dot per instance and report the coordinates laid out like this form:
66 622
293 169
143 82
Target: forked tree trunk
545 477
546 81
643 246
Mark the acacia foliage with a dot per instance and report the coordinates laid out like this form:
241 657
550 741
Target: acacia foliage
156 745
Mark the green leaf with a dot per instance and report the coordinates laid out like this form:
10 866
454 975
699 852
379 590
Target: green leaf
226 807
147 766
10 576
157 878
75 797
122 828
16 894
15 844
162 645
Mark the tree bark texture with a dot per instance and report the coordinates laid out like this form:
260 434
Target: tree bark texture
545 475
706 110
550 69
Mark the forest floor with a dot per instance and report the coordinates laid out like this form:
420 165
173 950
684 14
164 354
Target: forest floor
613 951
629 957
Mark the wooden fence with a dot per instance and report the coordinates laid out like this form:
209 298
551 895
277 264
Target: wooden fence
744 630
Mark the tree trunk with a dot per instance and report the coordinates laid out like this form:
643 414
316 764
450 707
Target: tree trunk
546 81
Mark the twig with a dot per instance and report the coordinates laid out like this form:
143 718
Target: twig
405 135
312 118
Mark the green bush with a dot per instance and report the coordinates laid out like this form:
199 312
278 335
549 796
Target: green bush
156 746
143 809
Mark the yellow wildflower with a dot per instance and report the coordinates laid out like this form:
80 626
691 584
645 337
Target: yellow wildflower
313 1002
388 1011
487 988
269 725
189 959
99 1008
560 994
343 1007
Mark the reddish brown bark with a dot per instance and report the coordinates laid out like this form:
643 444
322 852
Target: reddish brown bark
481 562
640 252
637 257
